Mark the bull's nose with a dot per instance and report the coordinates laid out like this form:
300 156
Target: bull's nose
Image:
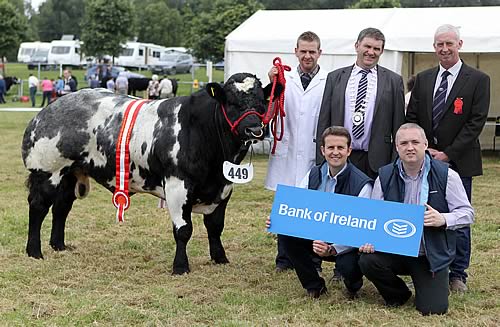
254 132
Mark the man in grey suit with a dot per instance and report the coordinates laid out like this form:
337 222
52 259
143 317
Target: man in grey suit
368 100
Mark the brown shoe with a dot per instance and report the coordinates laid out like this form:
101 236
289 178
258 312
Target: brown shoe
458 286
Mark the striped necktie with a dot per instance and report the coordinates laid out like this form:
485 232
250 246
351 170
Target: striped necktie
305 79
358 119
439 101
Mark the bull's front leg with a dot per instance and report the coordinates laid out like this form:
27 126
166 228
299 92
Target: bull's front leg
180 213
214 224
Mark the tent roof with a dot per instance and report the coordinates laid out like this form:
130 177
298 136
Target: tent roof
405 29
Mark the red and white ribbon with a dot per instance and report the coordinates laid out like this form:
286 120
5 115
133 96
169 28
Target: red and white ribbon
121 199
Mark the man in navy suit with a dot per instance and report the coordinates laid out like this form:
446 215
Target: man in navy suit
450 102
368 100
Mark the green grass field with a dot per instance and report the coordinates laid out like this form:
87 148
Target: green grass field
21 72
121 275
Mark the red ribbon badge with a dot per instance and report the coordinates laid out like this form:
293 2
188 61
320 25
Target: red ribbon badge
458 103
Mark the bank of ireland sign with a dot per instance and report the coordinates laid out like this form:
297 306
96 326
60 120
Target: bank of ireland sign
390 226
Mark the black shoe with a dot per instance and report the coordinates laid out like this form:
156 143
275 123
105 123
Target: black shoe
337 277
398 303
351 295
280 269
316 293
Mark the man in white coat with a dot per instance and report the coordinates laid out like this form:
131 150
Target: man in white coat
295 154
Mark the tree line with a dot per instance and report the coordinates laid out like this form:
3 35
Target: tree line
200 25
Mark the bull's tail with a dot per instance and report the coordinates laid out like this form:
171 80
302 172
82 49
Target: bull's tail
82 187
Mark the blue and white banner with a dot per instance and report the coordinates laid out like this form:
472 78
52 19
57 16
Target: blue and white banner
348 220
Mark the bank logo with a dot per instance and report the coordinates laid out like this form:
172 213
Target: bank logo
400 228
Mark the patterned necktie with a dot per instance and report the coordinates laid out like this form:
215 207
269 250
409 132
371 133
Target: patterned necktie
439 100
358 118
305 79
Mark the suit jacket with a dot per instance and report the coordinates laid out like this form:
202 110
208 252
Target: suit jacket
458 132
388 116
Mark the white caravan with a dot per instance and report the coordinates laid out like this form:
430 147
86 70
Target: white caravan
139 55
65 52
28 49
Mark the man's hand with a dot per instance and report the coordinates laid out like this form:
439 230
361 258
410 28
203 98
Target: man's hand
323 249
433 218
367 248
438 155
272 72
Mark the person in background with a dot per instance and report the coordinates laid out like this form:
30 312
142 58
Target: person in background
410 83
417 178
3 90
110 84
33 87
121 84
59 86
295 154
166 88
47 88
451 102
69 83
153 89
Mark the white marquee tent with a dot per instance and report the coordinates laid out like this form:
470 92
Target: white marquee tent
269 33
409 34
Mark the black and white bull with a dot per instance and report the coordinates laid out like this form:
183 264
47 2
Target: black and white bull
177 150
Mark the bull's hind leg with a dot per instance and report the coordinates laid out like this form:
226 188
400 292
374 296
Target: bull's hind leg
40 198
63 203
214 223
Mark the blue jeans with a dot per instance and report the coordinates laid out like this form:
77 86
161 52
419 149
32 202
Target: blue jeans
33 95
462 256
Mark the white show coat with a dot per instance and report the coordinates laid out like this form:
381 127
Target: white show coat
296 153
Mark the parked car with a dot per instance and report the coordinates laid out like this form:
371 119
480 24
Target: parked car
219 65
115 70
173 63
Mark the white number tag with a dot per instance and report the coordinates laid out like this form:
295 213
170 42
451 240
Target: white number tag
238 174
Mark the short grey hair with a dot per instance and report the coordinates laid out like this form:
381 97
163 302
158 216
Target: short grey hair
447 28
411 126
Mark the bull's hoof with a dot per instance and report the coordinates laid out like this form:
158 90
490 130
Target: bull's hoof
221 260
58 246
180 271
34 254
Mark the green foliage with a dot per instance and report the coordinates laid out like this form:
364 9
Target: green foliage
59 17
376 4
159 24
12 26
207 30
107 25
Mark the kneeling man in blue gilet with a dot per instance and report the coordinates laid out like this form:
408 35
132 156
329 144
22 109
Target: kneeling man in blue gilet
335 175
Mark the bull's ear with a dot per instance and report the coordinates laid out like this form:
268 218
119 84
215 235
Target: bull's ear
216 91
277 90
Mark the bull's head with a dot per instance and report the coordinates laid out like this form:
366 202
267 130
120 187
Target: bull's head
244 102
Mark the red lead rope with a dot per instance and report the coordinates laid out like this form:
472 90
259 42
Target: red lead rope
279 107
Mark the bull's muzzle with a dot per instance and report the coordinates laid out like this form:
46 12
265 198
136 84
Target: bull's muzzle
254 132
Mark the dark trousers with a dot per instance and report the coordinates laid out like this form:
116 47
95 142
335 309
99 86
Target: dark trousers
431 289
46 95
359 158
301 255
463 248
33 95
2 100
283 261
